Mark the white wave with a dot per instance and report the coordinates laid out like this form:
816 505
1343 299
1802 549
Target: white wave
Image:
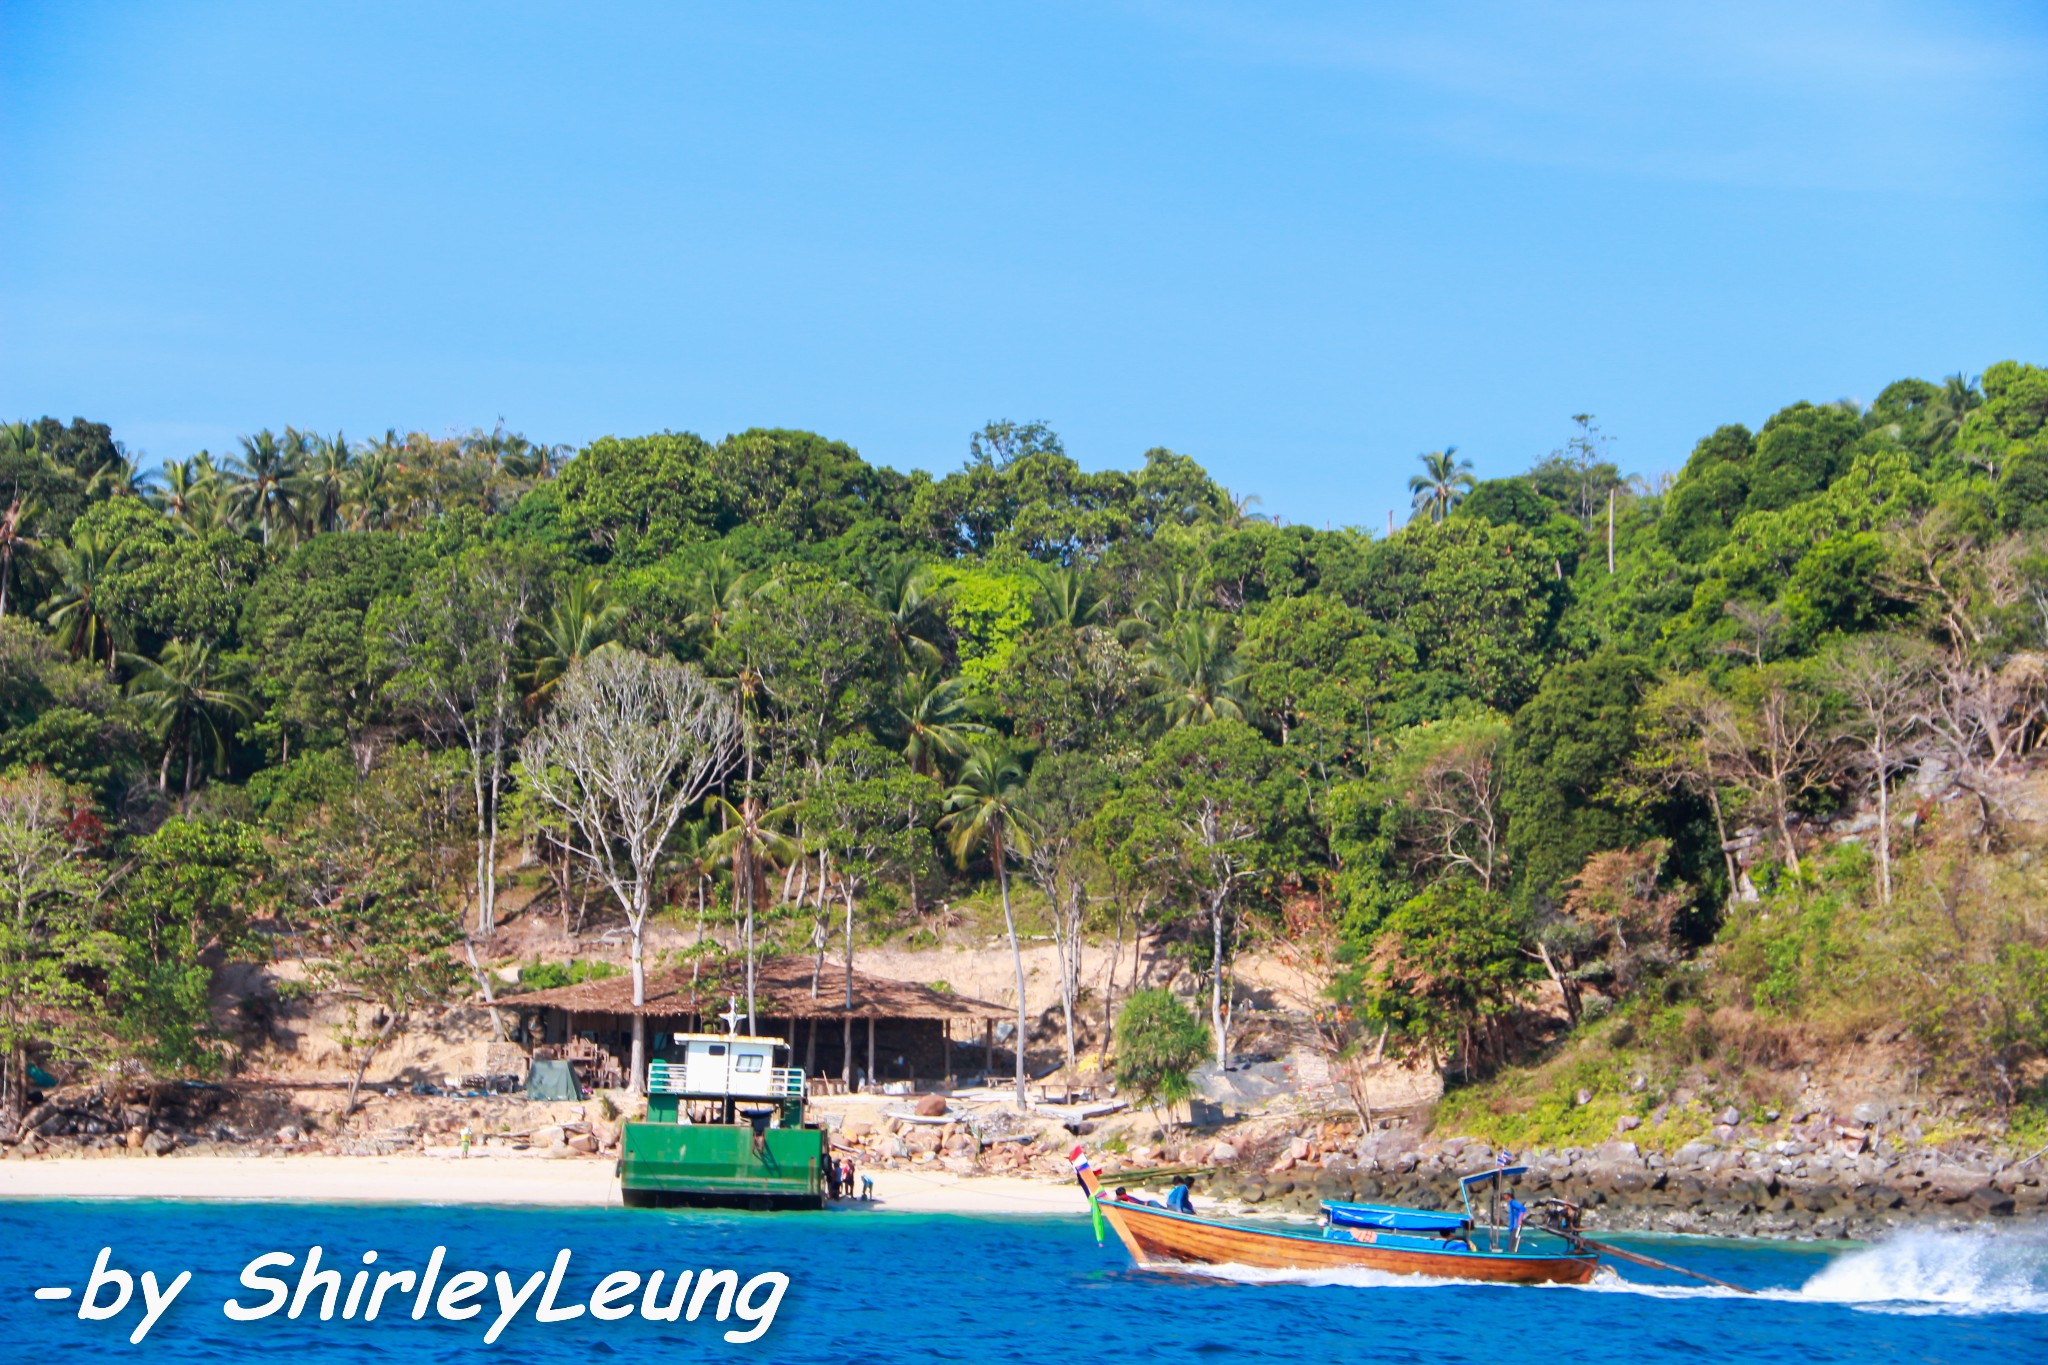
1940 1272
1349 1278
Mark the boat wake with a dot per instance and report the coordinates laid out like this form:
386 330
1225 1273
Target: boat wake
1914 1273
1940 1272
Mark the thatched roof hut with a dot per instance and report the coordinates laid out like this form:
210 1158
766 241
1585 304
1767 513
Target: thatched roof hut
909 1029
782 990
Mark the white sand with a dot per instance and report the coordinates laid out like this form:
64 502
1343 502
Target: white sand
452 1179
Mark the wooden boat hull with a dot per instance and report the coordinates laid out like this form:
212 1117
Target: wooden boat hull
1156 1237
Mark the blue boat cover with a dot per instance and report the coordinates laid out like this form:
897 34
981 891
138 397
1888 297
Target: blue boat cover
1503 1172
1392 1219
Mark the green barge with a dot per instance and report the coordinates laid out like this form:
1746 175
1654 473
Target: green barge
725 1128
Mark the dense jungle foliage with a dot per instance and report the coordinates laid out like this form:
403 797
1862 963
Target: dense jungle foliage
1754 735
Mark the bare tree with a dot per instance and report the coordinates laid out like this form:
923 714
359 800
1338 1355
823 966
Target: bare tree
631 744
1453 795
1775 750
1884 679
452 648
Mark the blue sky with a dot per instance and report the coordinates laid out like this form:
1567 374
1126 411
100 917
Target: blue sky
1301 243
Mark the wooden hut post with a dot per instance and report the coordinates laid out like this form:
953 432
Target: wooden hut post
988 1046
873 1075
811 1046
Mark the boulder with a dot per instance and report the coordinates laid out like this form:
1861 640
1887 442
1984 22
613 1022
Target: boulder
1627 1123
1299 1149
158 1143
856 1129
930 1106
1221 1152
135 1137
586 1143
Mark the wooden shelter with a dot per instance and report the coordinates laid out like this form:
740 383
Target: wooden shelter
895 1030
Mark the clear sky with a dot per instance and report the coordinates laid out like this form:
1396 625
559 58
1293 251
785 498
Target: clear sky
1301 243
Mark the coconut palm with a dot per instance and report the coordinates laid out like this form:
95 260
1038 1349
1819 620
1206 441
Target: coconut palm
1443 483
579 622
266 481
985 808
1067 597
932 713
1958 398
119 478
366 502
195 699
17 537
1196 674
75 610
903 595
1165 599
751 845
717 596
329 475
181 485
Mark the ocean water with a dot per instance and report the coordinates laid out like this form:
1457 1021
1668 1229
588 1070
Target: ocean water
901 1289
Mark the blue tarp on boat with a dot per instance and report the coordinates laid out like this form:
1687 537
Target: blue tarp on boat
1392 1219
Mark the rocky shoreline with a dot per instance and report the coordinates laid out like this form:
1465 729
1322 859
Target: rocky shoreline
1787 1187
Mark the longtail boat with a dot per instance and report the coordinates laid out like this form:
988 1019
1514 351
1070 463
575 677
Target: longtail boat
1378 1237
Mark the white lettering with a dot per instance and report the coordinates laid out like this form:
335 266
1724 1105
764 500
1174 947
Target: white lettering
154 1304
763 1317
462 1286
89 1307
510 1303
547 1312
279 1290
620 1284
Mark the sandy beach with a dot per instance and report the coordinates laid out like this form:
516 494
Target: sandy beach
453 1179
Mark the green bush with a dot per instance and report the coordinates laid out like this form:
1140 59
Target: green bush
545 976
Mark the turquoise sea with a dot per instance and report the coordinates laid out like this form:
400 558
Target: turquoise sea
900 1289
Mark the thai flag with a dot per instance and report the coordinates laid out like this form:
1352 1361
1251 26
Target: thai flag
1080 1161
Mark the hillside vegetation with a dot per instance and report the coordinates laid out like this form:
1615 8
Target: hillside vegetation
1575 783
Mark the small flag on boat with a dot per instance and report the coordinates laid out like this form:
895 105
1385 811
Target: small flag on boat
1504 1159
1081 1169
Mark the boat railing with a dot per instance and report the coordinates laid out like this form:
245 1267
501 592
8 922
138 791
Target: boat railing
675 1078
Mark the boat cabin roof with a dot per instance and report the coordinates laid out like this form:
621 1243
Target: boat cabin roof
1503 1172
679 1039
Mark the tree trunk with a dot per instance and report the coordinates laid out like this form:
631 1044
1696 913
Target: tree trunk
1216 986
476 785
636 1067
491 842
483 981
846 1058
1017 961
369 1054
1116 951
1884 830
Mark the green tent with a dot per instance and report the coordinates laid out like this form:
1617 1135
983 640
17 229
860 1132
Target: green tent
552 1081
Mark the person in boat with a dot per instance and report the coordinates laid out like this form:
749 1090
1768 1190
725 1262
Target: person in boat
1178 1198
1124 1196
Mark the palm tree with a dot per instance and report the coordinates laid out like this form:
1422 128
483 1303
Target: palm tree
75 611
1067 597
719 593
576 625
119 478
1197 674
751 844
1166 599
367 497
15 538
985 807
181 484
904 596
267 480
330 473
1442 484
194 698
932 714
1958 398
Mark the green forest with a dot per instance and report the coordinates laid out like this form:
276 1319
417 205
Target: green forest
1720 761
